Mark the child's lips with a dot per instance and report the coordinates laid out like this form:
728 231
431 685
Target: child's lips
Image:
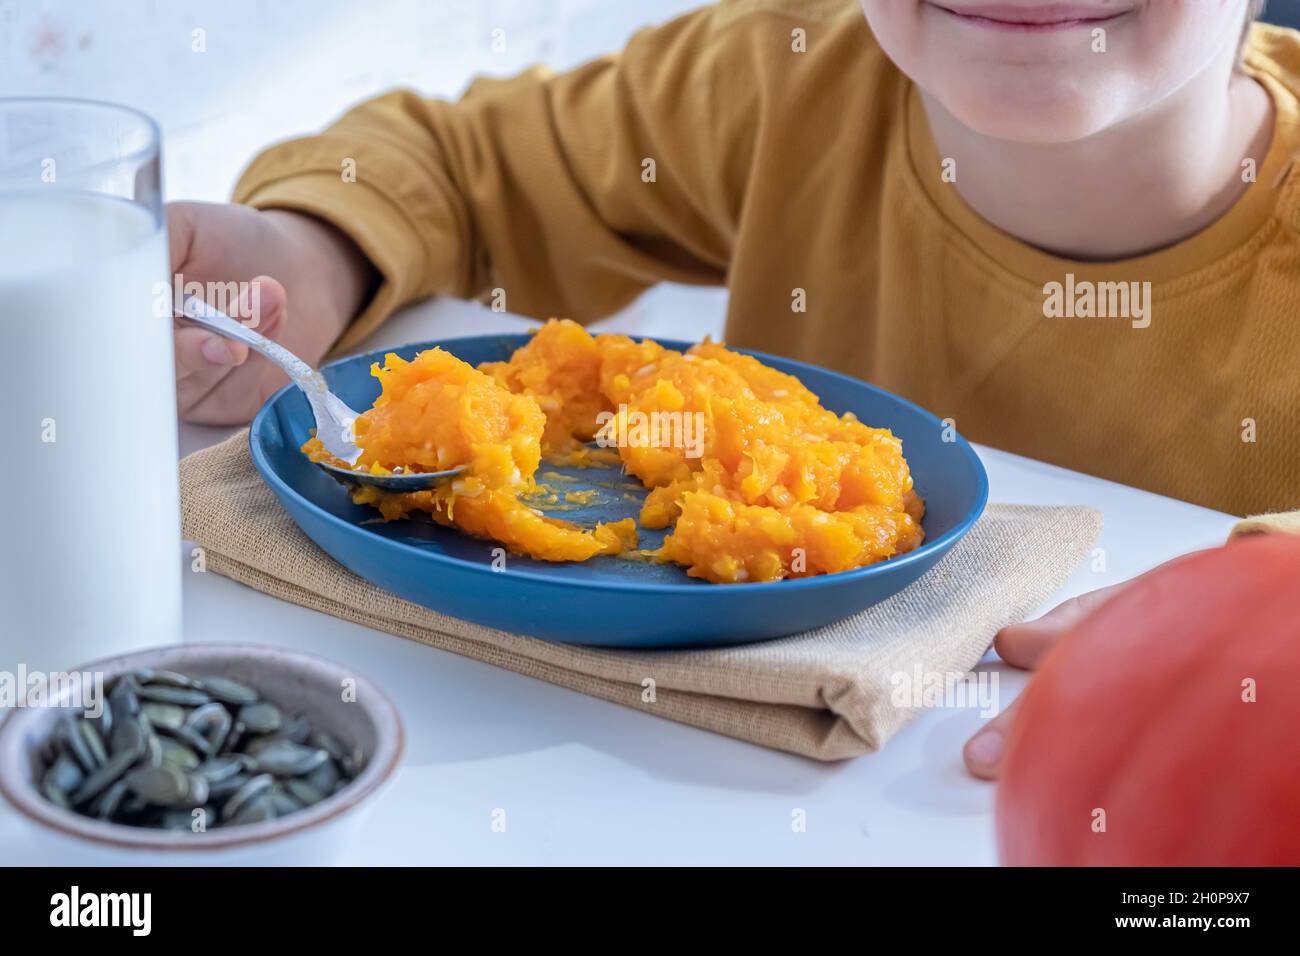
1039 18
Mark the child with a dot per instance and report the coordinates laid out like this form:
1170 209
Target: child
1073 228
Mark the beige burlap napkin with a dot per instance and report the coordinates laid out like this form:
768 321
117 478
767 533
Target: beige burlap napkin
826 694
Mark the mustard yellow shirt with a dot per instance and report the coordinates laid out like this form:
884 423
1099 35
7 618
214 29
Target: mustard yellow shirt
709 151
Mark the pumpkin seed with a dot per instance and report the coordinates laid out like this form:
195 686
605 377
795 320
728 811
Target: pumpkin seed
176 754
76 744
217 769
324 777
148 675
178 820
128 734
235 739
329 743
354 762
213 723
165 694
284 758
256 810
166 786
221 789
255 745
303 792
114 767
228 691
64 775
152 745
283 803
55 795
260 718
94 742
104 722
106 806
254 787
122 699
200 790
295 729
163 716
191 739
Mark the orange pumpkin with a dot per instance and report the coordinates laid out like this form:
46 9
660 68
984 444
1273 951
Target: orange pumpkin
1165 729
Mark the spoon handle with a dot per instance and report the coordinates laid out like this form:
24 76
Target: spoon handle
303 375
333 417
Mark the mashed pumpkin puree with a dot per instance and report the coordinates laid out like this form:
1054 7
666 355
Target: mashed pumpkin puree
757 480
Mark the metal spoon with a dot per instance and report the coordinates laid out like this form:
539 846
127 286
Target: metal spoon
333 417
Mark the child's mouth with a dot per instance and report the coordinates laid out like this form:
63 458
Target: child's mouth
1044 18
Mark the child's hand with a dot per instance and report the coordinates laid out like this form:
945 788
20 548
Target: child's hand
1024 645
312 280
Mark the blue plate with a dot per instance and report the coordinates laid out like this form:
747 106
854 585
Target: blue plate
607 601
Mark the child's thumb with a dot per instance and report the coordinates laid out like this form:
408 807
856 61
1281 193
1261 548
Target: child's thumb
263 304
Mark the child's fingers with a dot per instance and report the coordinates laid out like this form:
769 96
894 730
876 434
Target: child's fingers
983 752
261 306
1024 645
231 398
199 351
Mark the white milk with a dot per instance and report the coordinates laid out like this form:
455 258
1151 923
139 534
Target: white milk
90 560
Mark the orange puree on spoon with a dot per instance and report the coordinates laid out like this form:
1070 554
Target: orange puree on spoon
437 412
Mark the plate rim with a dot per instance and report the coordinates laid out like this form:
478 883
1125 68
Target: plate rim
787 585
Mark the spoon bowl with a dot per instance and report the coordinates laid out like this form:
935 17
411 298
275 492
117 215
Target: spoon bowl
402 481
334 419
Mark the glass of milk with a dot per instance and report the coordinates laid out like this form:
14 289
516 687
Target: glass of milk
90 558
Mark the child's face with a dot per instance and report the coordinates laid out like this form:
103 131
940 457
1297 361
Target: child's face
1040 71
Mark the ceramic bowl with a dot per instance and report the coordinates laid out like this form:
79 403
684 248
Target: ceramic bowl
298 684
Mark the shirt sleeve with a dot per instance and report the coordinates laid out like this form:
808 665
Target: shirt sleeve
570 193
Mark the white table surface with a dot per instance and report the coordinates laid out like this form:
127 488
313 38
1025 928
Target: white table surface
586 781
581 780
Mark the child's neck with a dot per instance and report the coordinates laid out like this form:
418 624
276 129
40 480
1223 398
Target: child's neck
1134 188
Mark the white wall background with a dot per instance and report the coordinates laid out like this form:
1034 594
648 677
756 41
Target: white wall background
278 68
272 69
